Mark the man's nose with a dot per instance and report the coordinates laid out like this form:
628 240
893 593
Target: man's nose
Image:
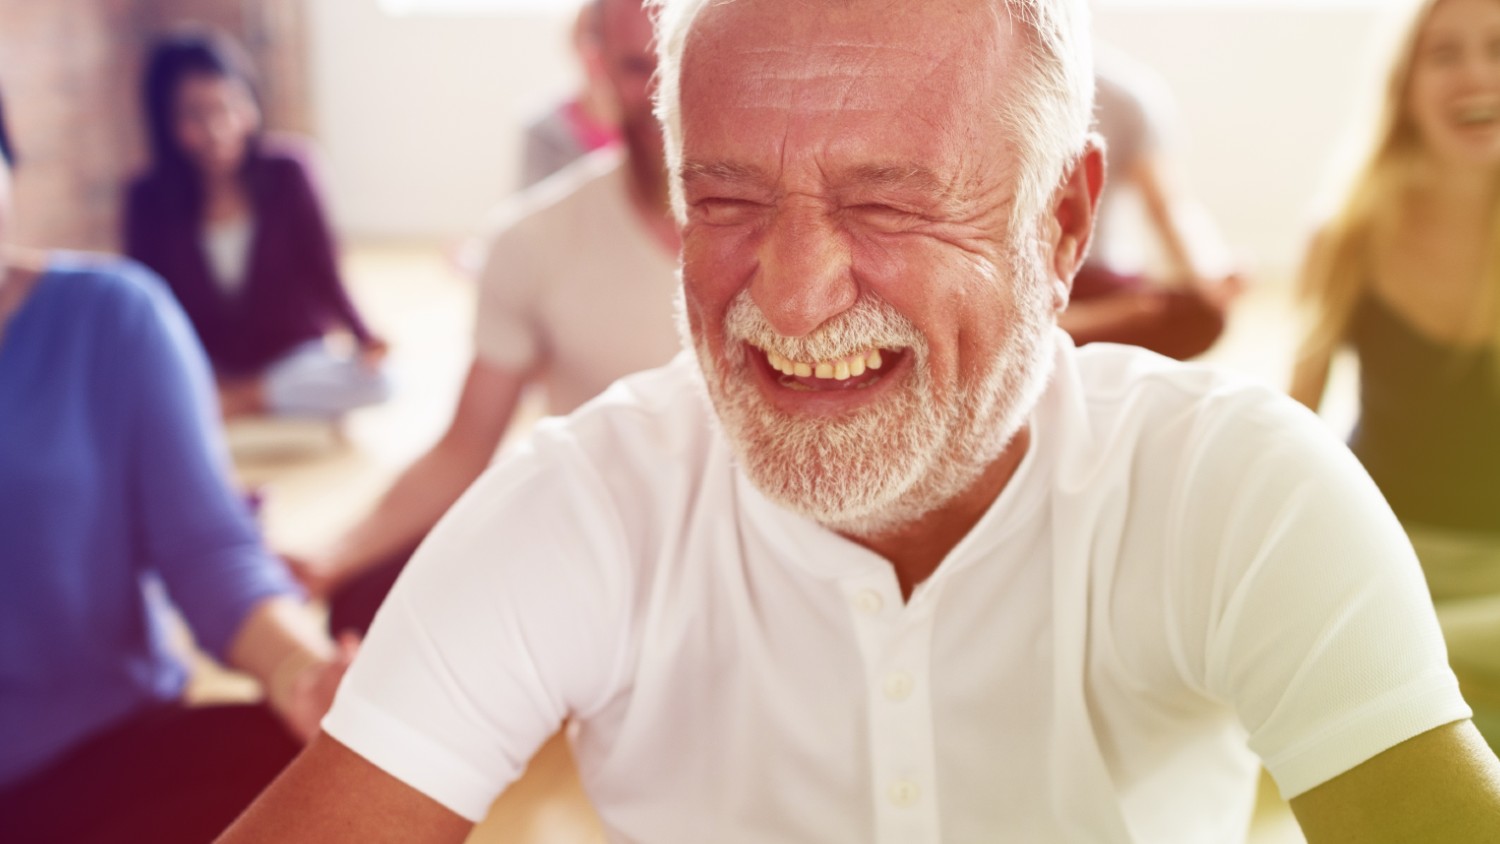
805 276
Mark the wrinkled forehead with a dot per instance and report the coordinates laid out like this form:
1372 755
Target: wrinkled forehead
847 55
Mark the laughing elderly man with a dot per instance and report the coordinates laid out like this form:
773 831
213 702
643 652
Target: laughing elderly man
885 559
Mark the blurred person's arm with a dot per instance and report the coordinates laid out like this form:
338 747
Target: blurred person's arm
195 529
1310 378
1092 320
330 794
1441 786
1314 352
430 485
303 198
1193 244
281 646
487 656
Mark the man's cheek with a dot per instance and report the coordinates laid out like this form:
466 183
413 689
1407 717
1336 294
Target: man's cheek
711 280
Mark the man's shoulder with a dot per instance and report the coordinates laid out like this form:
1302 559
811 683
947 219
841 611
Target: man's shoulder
1127 377
1165 410
648 429
555 203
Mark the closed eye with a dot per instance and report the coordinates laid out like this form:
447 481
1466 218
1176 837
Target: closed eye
725 210
884 217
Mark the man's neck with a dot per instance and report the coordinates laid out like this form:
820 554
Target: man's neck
916 550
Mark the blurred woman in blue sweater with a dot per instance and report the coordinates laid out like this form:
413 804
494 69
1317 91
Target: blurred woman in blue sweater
115 499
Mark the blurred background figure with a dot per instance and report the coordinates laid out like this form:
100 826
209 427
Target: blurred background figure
583 122
1406 272
1181 313
576 293
232 218
114 498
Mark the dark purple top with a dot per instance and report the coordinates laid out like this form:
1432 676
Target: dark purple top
292 290
1427 423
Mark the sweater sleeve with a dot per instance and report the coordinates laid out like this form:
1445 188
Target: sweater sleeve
320 247
192 527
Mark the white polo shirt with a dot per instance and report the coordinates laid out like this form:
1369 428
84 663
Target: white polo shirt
1181 562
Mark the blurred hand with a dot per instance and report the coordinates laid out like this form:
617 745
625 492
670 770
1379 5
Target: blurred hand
1223 291
373 352
313 688
318 577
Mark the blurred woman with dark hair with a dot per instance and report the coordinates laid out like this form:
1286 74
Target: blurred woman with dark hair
232 219
114 498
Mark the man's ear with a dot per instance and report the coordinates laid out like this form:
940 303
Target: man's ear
1069 227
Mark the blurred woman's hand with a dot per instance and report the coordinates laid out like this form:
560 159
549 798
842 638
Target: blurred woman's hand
373 352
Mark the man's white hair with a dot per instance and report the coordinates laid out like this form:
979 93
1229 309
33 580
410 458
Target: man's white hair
1049 115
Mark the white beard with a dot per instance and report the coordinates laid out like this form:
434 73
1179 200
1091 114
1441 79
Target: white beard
913 451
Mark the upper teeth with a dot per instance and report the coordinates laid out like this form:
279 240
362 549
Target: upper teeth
839 370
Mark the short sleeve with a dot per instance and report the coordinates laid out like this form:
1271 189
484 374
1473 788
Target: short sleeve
507 333
511 617
195 530
1310 613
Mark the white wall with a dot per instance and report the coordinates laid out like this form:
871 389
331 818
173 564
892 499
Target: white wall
1265 96
418 115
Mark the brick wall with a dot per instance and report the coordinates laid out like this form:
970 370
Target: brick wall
70 73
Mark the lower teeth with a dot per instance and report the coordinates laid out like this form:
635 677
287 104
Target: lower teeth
792 383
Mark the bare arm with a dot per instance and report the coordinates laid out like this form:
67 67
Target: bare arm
1192 242
1310 378
330 794
1441 786
430 485
299 668
1314 353
1093 320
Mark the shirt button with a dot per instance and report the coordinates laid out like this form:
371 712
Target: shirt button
869 601
898 685
904 793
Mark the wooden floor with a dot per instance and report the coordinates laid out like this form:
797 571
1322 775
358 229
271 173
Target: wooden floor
316 479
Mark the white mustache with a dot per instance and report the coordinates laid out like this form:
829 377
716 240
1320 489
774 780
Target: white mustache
870 324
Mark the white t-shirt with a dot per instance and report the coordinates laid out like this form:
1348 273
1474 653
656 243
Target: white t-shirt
1181 562
576 286
227 247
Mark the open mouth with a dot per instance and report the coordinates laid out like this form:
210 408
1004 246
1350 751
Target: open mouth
856 371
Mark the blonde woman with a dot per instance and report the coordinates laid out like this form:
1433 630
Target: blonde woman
1407 273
